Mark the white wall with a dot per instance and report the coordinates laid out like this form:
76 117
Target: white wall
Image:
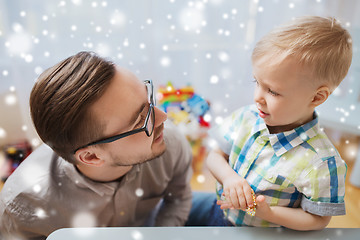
166 40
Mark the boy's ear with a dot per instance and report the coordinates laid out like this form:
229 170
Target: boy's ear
322 93
88 156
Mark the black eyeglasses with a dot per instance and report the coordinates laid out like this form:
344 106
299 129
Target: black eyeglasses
148 126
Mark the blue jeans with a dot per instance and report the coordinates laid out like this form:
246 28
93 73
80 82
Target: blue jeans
205 211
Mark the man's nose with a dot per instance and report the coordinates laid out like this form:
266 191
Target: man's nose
160 116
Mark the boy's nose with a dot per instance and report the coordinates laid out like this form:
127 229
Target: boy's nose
160 116
258 96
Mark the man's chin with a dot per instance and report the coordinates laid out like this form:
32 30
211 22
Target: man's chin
155 154
160 151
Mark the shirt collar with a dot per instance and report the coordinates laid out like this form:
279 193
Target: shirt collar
285 141
259 126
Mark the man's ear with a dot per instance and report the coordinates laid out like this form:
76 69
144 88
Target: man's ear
322 93
88 156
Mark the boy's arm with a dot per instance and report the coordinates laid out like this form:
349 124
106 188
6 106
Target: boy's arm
236 189
294 218
218 165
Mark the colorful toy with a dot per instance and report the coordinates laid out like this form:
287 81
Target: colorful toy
186 109
197 105
169 96
174 101
178 116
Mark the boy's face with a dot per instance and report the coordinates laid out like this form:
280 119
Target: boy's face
284 94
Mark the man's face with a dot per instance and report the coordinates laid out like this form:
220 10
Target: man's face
283 94
122 108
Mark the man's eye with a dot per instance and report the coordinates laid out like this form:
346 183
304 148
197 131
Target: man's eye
141 121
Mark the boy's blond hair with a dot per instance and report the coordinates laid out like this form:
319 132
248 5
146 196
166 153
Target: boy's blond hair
319 43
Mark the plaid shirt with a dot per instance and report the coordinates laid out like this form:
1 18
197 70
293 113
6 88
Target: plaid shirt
296 168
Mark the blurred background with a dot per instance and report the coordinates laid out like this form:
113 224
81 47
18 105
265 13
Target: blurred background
205 44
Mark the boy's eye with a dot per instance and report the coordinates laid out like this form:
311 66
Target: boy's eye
269 90
273 93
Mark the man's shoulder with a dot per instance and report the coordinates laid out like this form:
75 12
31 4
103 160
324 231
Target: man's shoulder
31 174
36 163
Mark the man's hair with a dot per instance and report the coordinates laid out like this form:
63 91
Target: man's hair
61 98
319 43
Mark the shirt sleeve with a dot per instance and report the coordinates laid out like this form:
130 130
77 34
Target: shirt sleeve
323 188
16 222
7 224
176 204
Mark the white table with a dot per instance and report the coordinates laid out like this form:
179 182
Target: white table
200 233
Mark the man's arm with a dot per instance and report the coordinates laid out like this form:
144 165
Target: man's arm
14 224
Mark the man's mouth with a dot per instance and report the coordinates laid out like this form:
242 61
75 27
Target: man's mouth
159 138
159 133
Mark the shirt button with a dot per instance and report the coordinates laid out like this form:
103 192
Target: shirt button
271 175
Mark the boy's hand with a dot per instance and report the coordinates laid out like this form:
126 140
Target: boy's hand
263 209
237 192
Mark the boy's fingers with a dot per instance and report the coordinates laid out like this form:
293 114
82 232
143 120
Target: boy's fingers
249 195
260 199
224 204
242 199
234 198
226 192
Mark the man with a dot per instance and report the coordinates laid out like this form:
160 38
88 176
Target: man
108 161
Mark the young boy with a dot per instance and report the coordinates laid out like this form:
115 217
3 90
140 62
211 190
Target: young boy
275 148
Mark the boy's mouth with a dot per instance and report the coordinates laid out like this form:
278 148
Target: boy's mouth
263 114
